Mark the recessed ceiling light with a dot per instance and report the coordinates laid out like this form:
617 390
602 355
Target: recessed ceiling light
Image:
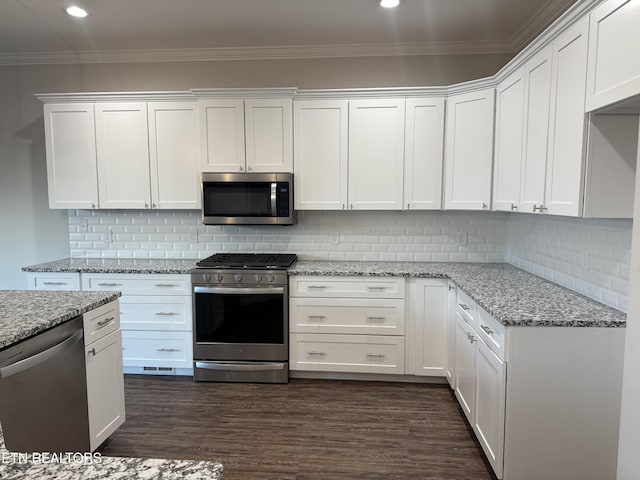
76 11
389 3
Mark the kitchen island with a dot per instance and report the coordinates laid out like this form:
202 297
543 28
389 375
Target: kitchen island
23 316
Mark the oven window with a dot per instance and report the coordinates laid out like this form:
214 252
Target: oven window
241 199
239 318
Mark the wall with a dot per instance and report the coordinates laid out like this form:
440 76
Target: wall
32 233
585 255
378 236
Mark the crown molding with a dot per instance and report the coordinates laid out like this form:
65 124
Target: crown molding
277 92
164 96
383 92
256 53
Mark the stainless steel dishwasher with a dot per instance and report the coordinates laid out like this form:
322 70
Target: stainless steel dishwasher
43 392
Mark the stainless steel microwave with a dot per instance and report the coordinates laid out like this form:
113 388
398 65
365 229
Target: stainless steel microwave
247 199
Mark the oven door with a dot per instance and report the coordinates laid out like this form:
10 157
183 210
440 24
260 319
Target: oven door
241 323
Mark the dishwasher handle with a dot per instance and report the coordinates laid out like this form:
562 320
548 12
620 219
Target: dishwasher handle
38 358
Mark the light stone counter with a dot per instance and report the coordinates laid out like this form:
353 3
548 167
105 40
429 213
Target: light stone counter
514 297
115 265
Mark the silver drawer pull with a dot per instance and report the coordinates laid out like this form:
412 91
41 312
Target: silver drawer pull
376 319
92 351
54 283
486 329
378 356
166 285
312 287
109 284
166 314
105 322
471 338
463 306
316 317
376 289
314 353
168 350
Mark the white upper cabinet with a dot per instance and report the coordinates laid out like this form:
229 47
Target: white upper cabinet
509 139
252 135
174 161
71 155
537 73
320 145
469 150
376 152
424 153
222 135
564 179
122 145
614 62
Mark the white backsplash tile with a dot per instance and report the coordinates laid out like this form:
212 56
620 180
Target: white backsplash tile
589 256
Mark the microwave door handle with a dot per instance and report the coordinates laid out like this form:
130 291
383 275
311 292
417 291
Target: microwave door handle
274 203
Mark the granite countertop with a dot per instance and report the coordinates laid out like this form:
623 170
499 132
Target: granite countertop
95 467
115 265
511 295
25 313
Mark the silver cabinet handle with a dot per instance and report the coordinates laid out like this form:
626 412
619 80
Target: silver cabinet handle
249 168
316 317
451 288
314 353
376 319
105 322
167 285
486 329
54 283
166 314
514 207
371 356
484 206
93 351
471 338
539 208
376 289
463 306
168 350
312 287
109 284
241 168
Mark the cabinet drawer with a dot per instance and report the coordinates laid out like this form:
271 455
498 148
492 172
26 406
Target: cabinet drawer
492 332
141 284
347 316
365 287
157 349
100 322
53 281
467 308
153 313
347 353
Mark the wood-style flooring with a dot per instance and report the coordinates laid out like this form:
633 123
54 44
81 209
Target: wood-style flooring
305 430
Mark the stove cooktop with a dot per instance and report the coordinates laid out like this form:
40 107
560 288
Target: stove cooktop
276 261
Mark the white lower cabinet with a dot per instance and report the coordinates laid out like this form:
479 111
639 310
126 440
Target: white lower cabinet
450 366
347 324
466 361
53 281
104 372
156 320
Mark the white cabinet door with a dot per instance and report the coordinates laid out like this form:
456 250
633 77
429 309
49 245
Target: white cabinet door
537 72
105 387
509 140
70 141
222 135
173 148
614 64
321 146
564 183
469 150
424 153
428 320
376 152
450 368
490 406
269 135
466 363
122 142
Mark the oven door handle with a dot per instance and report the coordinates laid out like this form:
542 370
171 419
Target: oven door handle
274 199
238 290
255 367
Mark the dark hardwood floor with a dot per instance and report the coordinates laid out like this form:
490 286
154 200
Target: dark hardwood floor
307 429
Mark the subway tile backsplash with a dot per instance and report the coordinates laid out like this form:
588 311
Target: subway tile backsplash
589 256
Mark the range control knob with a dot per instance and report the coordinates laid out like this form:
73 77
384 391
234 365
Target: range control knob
257 277
206 277
237 277
219 277
270 277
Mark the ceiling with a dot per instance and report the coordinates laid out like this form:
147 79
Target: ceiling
37 31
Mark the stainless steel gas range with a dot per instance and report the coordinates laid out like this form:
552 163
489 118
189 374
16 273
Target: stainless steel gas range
241 318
